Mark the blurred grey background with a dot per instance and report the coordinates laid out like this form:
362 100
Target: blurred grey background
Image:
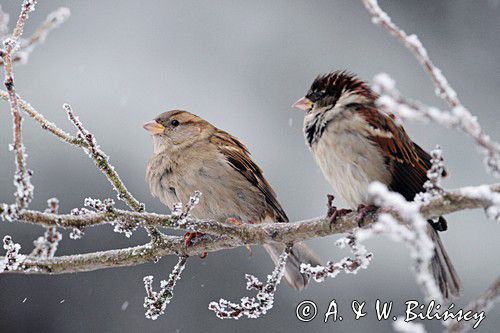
239 64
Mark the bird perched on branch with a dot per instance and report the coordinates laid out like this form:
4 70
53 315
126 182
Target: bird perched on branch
354 144
190 154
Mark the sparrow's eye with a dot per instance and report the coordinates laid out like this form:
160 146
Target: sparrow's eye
175 123
317 95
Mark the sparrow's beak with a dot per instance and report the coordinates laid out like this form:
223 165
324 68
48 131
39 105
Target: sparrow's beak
154 127
303 104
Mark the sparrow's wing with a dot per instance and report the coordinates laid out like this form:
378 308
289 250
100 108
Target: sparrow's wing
407 162
238 157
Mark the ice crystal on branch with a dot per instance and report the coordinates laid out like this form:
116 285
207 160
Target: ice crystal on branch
254 307
458 117
46 245
12 259
182 213
414 236
432 186
361 259
155 303
77 233
8 212
483 192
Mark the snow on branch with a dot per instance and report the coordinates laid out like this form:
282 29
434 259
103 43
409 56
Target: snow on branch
155 303
362 259
394 218
459 117
254 307
393 102
46 245
414 235
12 259
26 46
22 176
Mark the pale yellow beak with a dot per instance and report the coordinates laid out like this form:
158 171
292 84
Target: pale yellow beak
303 104
153 127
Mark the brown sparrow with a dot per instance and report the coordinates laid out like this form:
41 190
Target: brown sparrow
190 154
355 144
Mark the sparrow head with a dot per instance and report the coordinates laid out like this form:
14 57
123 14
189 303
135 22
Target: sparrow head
335 89
177 129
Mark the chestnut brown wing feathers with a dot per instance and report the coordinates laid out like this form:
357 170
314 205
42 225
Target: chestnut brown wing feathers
239 158
407 162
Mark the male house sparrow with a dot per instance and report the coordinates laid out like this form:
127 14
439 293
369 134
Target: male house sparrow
355 144
190 154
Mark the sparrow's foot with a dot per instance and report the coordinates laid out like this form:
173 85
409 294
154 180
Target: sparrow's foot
339 213
332 212
363 211
188 241
234 221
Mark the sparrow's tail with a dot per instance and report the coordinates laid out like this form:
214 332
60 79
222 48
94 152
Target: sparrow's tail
442 268
300 254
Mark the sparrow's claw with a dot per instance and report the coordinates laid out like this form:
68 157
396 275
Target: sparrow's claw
330 208
363 211
234 221
338 213
333 213
188 241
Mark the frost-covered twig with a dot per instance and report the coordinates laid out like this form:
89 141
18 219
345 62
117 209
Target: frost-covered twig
443 88
46 245
26 46
413 235
156 302
483 196
254 307
483 303
44 123
483 192
459 116
393 102
432 186
12 260
102 162
361 259
24 188
231 235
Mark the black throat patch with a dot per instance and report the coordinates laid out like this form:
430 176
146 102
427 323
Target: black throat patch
314 129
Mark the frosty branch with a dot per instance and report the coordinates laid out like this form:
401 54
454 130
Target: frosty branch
394 216
226 235
392 101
